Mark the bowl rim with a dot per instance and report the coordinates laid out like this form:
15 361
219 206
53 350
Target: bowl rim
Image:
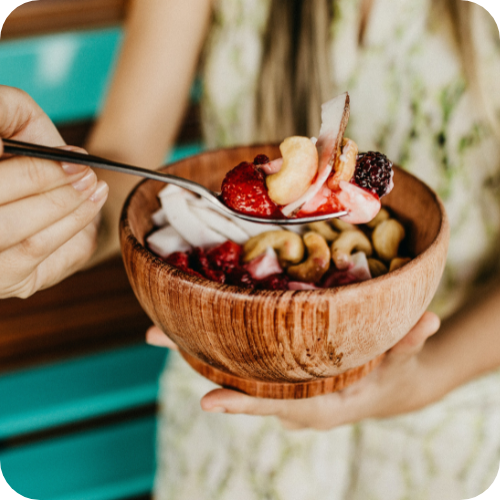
127 234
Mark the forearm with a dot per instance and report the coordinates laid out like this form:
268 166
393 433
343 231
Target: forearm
148 95
467 346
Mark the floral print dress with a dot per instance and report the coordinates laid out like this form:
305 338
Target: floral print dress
410 100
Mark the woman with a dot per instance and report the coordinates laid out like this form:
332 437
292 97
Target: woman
423 78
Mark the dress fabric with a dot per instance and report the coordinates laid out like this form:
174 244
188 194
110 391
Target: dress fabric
410 100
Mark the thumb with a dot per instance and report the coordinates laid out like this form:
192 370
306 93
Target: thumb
155 337
413 342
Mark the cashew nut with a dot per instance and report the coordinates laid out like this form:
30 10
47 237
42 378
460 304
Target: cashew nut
341 225
380 217
317 262
288 245
325 230
398 262
377 268
387 237
346 244
300 166
345 164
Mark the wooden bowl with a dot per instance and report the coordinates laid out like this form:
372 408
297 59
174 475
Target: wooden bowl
284 344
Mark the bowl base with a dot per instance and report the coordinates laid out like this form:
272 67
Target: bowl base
283 390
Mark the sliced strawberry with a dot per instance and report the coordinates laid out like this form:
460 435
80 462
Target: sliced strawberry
245 191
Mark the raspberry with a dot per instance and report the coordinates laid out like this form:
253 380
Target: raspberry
225 257
199 262
260 160
180 260
244 190
238 276
373 172
274 282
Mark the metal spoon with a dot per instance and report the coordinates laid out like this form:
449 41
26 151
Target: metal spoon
48 153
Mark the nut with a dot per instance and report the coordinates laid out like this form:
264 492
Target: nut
288 245
398 262
387 237
346 244
325 230
380 217
345 164
377 268
300 166
317 262
341 225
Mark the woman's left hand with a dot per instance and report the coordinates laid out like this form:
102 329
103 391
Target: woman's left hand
401 384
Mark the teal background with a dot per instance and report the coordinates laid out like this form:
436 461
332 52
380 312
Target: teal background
68 75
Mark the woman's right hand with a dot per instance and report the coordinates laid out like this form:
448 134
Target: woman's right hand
48 210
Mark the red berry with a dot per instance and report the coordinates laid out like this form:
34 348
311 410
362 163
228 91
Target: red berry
244 190
238 276
274 282
199 262
260 160
226 256
180 260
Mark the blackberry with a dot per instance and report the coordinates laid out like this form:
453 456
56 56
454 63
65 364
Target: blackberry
373 172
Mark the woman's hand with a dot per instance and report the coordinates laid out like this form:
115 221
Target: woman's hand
48 210
402 383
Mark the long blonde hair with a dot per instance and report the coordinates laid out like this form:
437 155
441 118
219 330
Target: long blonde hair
296 68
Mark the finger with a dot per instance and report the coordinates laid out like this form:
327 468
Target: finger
321 412
291 426
414 341
22 177
21 261
155 337
68 258
237 402
41 211
24 120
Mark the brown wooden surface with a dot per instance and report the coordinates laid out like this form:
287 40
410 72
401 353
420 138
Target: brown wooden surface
89 312
282 390
51 16
285 336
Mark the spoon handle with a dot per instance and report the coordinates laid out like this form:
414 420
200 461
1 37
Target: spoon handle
55 154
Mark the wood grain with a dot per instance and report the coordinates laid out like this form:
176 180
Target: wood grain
91 311
52 16
287 337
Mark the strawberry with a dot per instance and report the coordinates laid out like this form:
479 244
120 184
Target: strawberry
244 190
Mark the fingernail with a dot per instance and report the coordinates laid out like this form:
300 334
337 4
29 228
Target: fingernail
216 409
101 191
73 168
85 182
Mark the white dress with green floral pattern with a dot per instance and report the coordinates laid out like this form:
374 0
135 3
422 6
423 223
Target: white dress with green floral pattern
409 100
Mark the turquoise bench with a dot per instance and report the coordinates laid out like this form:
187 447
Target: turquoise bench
81 429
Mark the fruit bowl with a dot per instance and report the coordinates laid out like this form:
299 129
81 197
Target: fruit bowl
284 344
